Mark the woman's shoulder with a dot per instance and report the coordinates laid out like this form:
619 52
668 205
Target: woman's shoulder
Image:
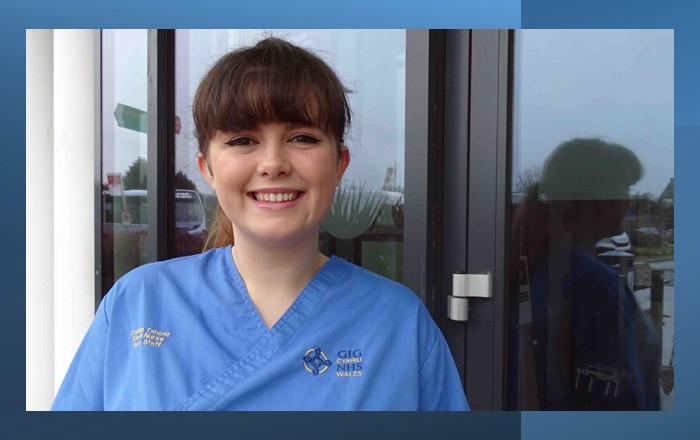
381 306
364 279
175 267
363 284
161 276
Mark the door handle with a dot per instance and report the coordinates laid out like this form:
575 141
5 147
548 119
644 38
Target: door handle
465 286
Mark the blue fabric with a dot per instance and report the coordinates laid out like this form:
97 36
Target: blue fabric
184 335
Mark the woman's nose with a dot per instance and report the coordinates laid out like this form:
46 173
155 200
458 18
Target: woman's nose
274 161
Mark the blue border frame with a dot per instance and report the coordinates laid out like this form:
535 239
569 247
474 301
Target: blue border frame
358 14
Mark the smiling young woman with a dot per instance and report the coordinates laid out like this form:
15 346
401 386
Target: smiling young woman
274 182
269 323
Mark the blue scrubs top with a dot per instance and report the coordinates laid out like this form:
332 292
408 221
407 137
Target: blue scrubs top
183 334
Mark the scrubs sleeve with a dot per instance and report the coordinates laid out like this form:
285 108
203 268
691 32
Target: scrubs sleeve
83 386
440 386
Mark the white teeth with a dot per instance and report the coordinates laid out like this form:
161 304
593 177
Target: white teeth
280 197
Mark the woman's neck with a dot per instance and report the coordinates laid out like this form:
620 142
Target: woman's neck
275 275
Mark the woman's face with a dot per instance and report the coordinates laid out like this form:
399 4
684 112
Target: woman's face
275 182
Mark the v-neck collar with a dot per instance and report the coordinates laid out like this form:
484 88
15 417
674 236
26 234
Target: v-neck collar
264 343
295 314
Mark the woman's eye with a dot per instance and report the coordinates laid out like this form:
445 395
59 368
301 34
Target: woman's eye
239 142
304 139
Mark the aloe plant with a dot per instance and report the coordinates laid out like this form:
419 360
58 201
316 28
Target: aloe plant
353 211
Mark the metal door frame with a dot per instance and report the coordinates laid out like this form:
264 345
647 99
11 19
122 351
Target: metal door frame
478 81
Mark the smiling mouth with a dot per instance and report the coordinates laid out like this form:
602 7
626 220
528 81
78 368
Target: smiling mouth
276 197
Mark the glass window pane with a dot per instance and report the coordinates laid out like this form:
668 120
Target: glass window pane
124 148
365 224
592 241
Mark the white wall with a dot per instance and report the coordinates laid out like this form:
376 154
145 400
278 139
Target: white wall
60 203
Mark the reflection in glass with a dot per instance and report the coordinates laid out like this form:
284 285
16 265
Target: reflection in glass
595 348
124 153
591 251
365 224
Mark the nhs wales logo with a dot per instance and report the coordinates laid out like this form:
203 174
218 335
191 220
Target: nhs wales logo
348 363
316 362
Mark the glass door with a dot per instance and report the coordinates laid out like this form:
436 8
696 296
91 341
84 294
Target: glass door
557 181
591 256
123 202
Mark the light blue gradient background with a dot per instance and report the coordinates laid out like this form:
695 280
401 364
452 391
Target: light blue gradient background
681 15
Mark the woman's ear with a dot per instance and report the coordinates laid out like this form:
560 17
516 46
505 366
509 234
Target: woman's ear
343 162
205 170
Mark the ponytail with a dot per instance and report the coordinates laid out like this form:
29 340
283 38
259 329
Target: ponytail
221 233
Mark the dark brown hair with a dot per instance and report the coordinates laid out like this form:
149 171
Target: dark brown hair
273 81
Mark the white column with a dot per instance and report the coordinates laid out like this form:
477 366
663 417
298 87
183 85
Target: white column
39 212
75 64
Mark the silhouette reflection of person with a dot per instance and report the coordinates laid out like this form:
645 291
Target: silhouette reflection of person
594 348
